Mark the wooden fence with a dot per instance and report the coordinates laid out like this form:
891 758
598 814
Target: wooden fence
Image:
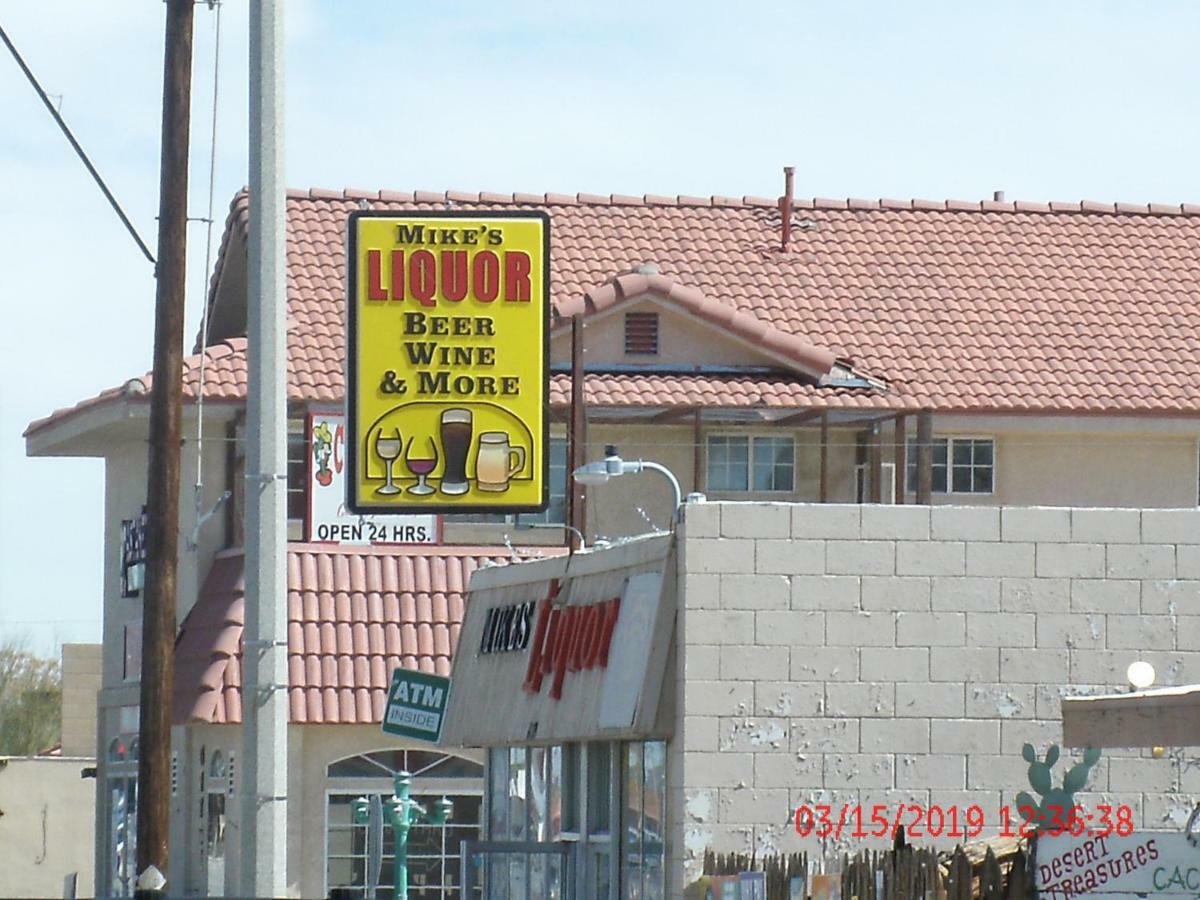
996 870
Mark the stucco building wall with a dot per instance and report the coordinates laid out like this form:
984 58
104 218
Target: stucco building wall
869 655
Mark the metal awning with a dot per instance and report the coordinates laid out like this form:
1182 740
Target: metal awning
1162 717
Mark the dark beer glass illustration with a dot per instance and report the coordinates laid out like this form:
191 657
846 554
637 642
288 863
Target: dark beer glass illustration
388 449
497 461
421 462
456 443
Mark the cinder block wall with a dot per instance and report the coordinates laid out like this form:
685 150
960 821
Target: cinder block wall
81 681
870 655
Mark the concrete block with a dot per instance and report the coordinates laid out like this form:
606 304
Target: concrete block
931 558
789 698
702 661
768 734
894 664
701 520
1187 635
895 735
1001 701
1007 560
790 557
988 772
964 664
720 555
1024 523
938 700
860 557
1140 632
719 626
939 771
1023 666
827 520
825 592
824 664
751 663
892 523
874 699
1015 734
1106 526
755 592
1171 596
930 629
859 770
1102 667
1171 526
1035 595
859 629
969 736
1070 560
717 770
1146 775
965 523
886 593
718 698
1187 561
1048 699
702 591
787 770
1113 595
756 520
1000 629
965 594
820 735
790 628
700 734
1059 632
1163 812
1141 561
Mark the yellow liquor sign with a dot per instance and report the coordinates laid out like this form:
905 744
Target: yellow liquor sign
447 371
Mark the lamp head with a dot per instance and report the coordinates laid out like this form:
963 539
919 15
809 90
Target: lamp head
1140 674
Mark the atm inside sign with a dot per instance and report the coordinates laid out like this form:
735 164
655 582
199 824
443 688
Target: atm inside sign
447 375
416 706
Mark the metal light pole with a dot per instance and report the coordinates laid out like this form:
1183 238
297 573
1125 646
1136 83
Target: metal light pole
264 660
403 813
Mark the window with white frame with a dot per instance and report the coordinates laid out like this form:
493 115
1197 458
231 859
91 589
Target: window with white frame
961 465
759 463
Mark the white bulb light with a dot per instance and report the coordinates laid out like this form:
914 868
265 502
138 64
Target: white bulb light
1140 674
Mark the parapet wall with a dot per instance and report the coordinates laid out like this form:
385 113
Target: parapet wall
884 655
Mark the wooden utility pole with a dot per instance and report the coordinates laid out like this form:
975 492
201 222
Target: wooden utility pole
577 499
925 457
162 489
900 458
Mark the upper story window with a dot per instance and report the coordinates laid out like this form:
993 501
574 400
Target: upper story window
641 333
751 463
297 471
961 465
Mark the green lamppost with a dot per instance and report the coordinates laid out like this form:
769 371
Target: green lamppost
402 814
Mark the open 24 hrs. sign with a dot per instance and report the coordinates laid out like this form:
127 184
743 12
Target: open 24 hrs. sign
447 379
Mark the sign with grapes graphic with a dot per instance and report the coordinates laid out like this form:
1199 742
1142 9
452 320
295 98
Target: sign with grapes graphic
447 346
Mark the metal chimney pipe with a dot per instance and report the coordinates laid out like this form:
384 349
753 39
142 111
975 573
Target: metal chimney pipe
998 196
785 207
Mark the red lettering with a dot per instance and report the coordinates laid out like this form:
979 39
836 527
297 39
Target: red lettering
565 649
516 277
375 289
422 277
533 671
485 274
553 639
454 275
398 275
610 623
339 445
589 634
595 636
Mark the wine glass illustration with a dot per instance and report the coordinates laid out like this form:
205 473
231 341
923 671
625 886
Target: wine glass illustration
388 449
421 462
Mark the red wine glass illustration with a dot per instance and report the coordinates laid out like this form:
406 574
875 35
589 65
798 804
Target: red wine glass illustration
421 462
388 449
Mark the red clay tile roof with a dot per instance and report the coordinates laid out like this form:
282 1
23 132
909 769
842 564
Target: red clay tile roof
959 306
354 614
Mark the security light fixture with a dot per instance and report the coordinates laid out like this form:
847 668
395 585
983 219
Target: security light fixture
612 466
1140 674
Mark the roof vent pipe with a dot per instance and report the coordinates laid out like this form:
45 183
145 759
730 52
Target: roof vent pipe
998 196
785 207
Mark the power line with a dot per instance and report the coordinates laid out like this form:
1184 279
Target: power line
78 149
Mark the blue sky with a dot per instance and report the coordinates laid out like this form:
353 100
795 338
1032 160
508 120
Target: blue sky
1046 101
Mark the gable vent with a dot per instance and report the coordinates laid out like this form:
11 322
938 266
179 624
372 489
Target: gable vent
641 333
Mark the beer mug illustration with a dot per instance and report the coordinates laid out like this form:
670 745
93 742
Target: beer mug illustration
497 461
456 443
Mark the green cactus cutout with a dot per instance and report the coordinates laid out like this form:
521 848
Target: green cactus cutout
1054 811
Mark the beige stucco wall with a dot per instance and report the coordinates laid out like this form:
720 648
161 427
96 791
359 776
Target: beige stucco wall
46 823
80 684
